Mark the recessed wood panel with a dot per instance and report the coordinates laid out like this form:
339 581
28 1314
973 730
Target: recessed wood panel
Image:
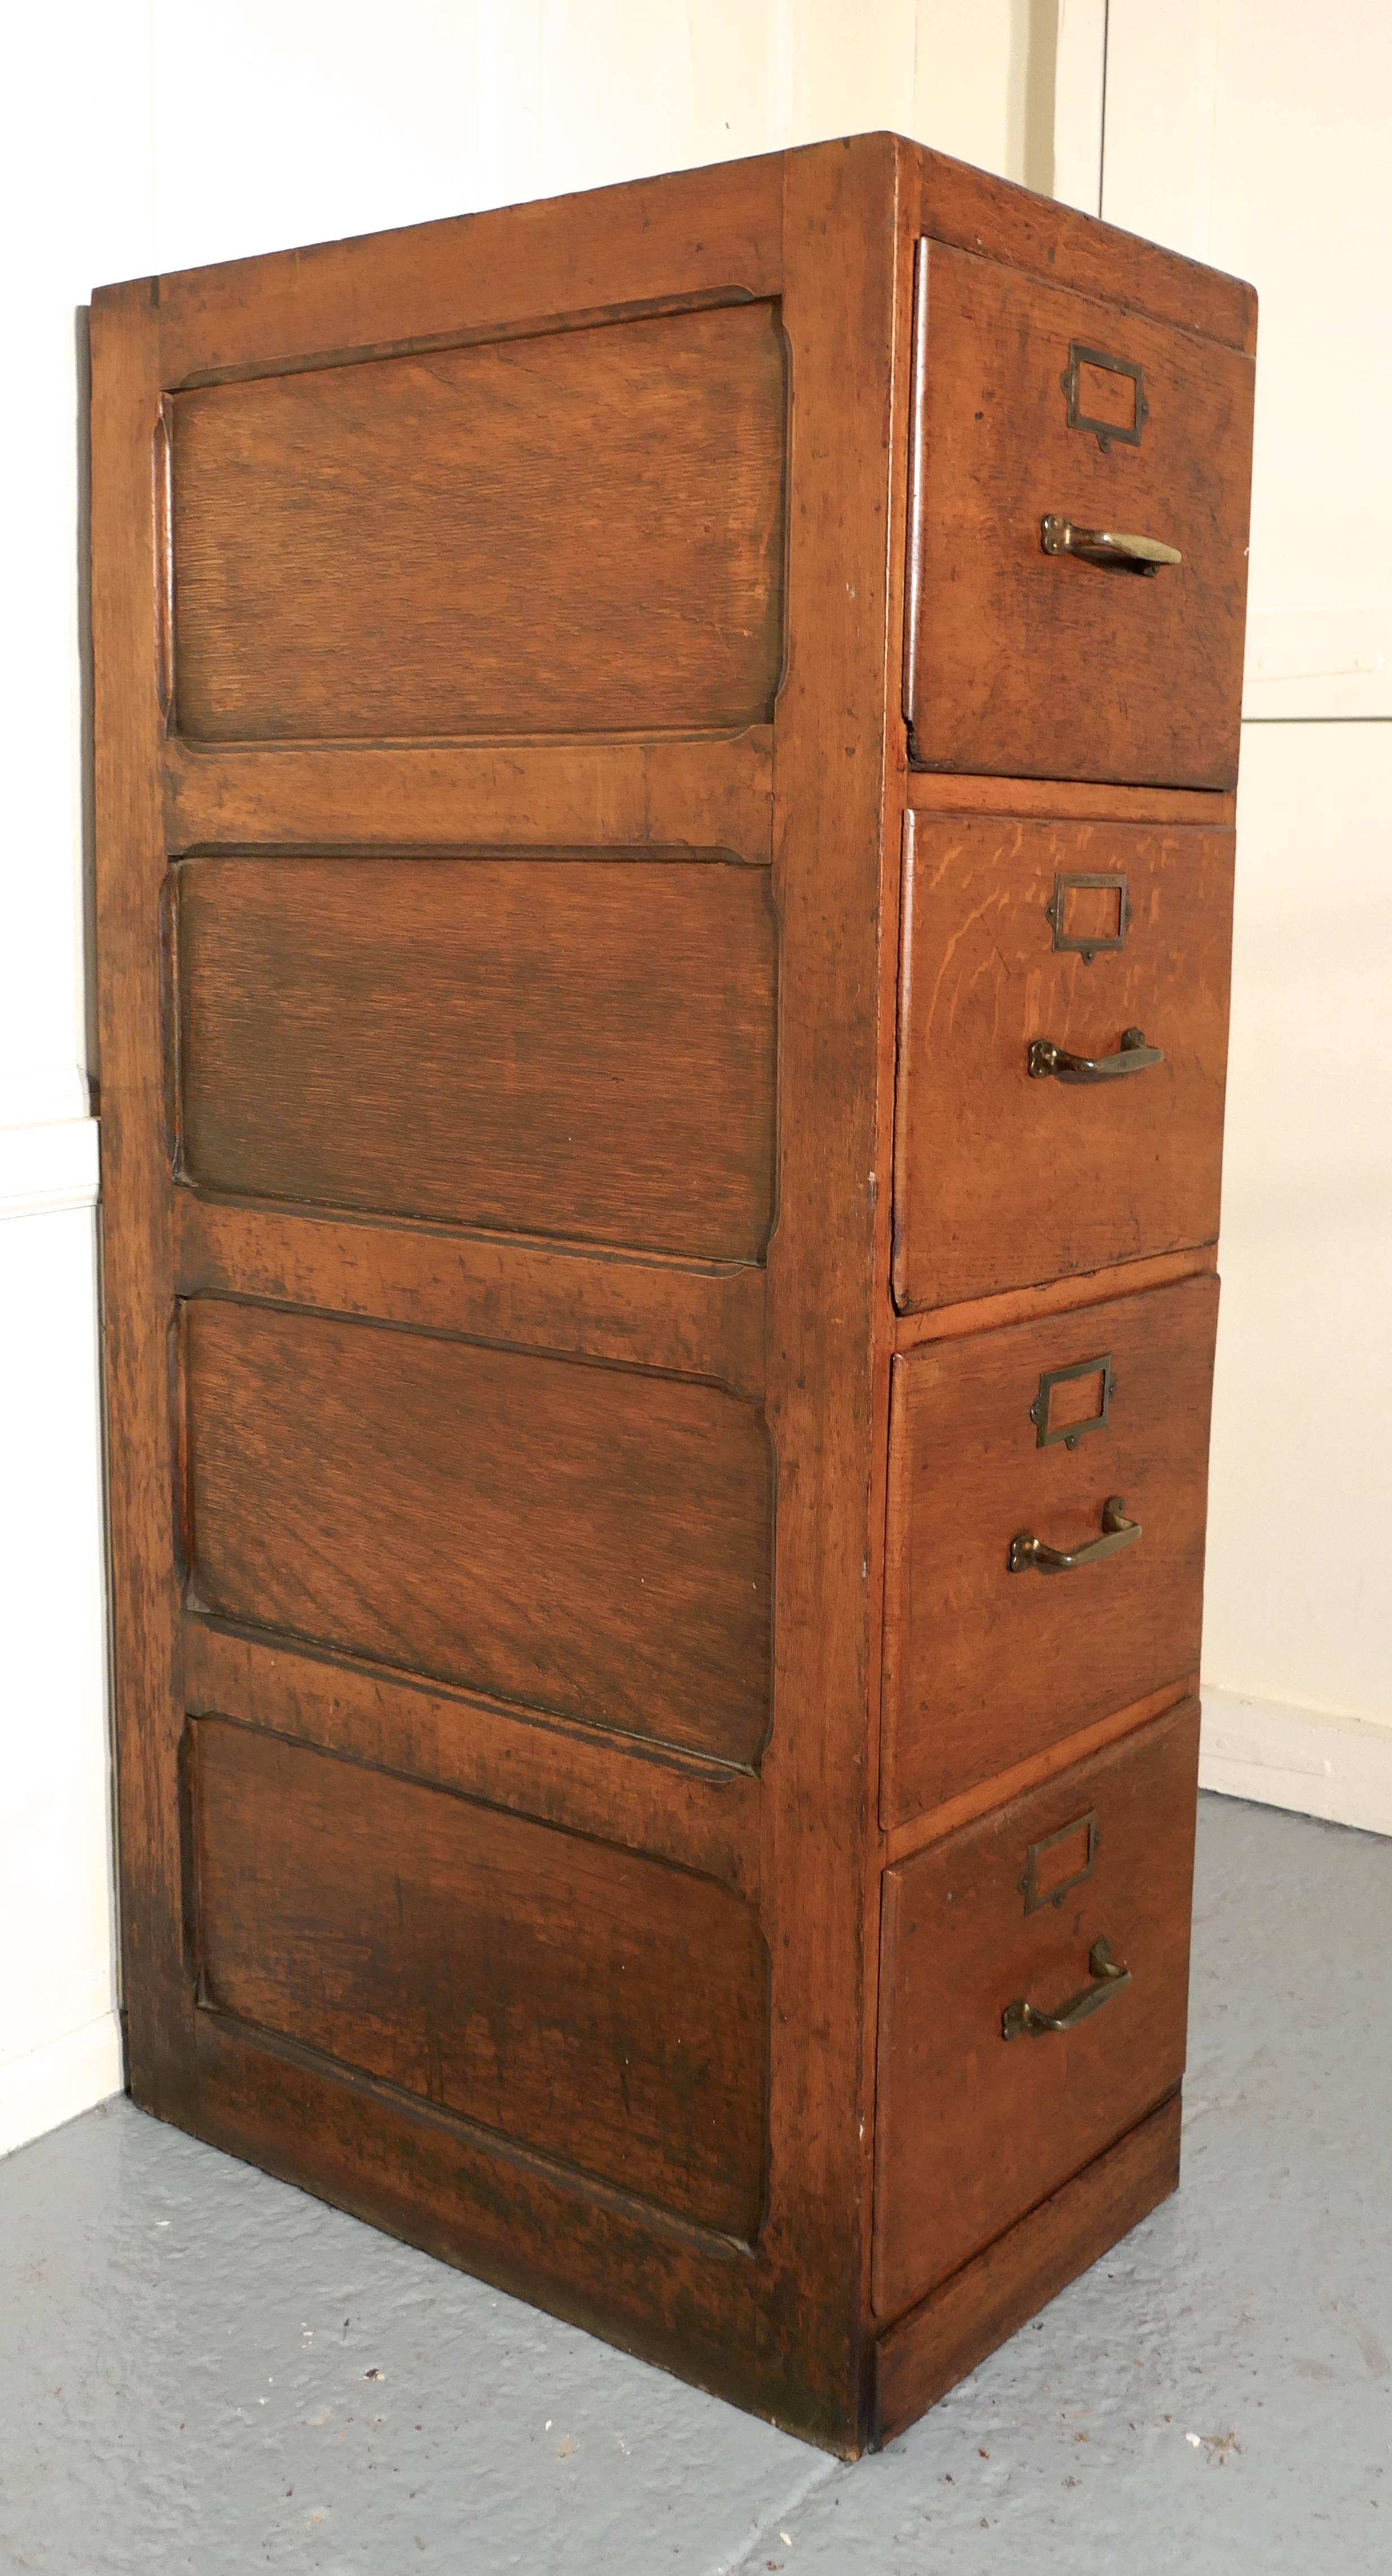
587 1541
974 2128
985 1668
576 532
545 1046
1003 1179
1049 666
601 2007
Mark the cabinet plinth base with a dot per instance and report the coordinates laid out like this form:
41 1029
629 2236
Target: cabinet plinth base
941 2341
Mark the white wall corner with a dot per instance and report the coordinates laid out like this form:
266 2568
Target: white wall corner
49 2085
42 1095
49 1165
1307 1759
1080 74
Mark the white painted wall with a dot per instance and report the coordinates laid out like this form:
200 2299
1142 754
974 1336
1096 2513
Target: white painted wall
156 134
75 203
1257 134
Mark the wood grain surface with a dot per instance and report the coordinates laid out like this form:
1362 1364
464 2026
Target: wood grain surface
680 1807
500 1390
984 1667
1078 800
562 1046
714 795
584 1541
1050 1297
941 2341
579 532
601 2006
1001 1180
1048 666
974 2129
687 1319
837 740
684 237
977 211
136 1233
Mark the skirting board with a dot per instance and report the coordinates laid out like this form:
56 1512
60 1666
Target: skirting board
47 2086
1339 1768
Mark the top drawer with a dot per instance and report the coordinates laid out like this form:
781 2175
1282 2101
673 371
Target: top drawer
1032 403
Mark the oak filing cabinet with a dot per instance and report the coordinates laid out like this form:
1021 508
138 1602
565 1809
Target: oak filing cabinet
665 794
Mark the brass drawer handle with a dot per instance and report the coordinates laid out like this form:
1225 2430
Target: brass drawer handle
1020 2016
1133 1057
1117 1531
1105 546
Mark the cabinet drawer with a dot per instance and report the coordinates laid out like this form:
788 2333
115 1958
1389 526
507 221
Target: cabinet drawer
973 2128
1031 403
1030 1432
1017 935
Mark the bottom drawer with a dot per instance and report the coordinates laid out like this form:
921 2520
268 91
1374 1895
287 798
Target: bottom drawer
982 2108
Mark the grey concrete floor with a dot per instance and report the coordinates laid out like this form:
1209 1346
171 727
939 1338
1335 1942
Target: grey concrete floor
203 2370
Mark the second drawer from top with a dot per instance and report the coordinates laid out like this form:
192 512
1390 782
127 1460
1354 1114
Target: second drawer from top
1063 1021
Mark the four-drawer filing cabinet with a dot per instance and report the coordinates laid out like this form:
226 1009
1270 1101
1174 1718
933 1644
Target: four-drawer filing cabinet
665 772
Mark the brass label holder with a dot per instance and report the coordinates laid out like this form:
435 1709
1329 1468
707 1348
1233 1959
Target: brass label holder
1089 944
1053 1892
1106 432
1070 1433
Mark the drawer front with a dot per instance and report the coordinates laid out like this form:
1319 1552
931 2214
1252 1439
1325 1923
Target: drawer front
1034 403
1029 1433
1018 936
974 2128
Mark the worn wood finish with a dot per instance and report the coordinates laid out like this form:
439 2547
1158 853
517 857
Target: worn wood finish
668 241
973 2129
584 1542
904 1840
605 2008
976 211
136 1246
371 549
1045 666
837 744
943 2340
1050 1297
984 1667
677 1807
1079 800
1001 1179
499 846
572 1047
618 2265
709 795
686 1319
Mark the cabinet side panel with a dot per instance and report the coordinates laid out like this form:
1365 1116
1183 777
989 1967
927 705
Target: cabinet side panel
590 2003
586 1541
576 532
573 1047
